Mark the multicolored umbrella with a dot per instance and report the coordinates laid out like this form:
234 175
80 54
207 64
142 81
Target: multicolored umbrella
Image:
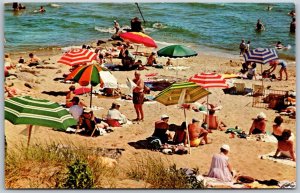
176 51
77 56
85 75
32 111
180 93
171 95
139 38
261 55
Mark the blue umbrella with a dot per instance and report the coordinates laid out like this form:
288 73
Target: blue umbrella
261 55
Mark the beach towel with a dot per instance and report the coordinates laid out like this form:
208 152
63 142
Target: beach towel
177 67
263 137
279 159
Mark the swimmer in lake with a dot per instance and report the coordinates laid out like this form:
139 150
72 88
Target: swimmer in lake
259 26
42 9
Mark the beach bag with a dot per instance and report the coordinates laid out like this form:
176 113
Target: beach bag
146 90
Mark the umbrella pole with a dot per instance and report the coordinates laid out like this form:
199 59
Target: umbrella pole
262 79
29 134
187 131
137 48
91 96
207 115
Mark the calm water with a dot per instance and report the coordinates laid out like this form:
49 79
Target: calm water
219 26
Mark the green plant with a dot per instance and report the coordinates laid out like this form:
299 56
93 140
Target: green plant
79 176
160 174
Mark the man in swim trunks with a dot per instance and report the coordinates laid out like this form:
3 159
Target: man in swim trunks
138 96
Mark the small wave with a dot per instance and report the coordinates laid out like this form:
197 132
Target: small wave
105 30
55 5
158 26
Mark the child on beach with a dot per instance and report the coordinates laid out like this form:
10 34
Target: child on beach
169 62
252 72
283 64
34 60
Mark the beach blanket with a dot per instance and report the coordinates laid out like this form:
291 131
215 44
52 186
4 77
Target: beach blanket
263 137
279 159
179 68
215 183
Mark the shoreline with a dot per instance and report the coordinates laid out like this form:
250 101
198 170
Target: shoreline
200 49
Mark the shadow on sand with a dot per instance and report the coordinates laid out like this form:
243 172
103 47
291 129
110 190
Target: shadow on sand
55 93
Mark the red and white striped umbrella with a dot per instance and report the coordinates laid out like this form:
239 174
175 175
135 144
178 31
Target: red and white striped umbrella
209 80
77 56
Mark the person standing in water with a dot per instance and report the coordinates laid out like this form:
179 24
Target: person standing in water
116 26
259 26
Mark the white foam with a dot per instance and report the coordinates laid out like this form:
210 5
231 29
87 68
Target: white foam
54 5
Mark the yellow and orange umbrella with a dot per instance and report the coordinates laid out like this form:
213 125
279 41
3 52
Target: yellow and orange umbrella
139 38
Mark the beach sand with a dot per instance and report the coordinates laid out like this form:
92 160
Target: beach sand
237 111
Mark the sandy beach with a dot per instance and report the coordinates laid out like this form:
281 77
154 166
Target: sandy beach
237 111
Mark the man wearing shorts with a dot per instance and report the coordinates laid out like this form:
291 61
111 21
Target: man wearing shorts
138 96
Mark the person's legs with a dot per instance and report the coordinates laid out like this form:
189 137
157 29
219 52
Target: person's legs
286 74
280 73
141 111
136 107
204 135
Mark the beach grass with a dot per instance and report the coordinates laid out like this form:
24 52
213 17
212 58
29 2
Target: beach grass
160 173
45 166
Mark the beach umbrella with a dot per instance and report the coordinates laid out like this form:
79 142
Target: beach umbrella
85 75
180 93
108 80
176 51
261 55
77 56
209 80
139 38
33 111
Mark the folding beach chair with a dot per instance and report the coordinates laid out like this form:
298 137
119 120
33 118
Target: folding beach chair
257 90
239 88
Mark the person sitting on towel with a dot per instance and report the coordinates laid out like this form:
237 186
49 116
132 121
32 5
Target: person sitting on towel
115 114
161 129
259 124
76 110
220 167
286 146
88 121
151 60
277 129
196 132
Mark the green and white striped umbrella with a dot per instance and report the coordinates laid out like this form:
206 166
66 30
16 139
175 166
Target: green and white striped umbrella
32 111
174 93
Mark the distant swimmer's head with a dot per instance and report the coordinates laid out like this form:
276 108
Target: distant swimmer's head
31 55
